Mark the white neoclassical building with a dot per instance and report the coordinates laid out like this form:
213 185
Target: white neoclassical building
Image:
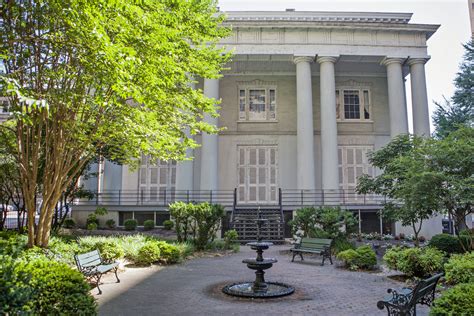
305 98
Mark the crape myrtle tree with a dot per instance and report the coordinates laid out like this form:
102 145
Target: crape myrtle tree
407 180
459 111
85 75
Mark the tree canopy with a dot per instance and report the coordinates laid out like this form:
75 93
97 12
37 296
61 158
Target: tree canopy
86 75
459 111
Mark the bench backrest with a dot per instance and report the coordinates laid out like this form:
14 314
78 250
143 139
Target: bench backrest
89 259
315 243
425 287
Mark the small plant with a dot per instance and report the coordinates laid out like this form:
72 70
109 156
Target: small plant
92 219
361 258
446 243
401 236
422 238
415 262
69 223
455 301
149 224
169 253
110 250
130 224
342 244
168 224
100 211
92 226
230 237
110 223
460 268
148 253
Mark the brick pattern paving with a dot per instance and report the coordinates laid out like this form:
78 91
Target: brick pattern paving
193 288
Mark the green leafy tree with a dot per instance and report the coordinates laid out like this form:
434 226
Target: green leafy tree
459 111
452 160
82 76
412 187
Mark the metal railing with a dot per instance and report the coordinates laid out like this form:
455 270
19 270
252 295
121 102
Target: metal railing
228 198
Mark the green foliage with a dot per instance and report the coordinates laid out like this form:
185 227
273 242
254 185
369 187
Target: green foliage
149 224
199 222
459 111
110 223
447 243
323 222
98 59
169 253
415 262
361 258
148 253
455 301
460 268
92 219
230 237
100 211
341 244
40 286
407 179
130 224
168 224
69 223
91 226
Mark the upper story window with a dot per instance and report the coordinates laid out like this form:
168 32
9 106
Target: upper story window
257 103
353 104
4 106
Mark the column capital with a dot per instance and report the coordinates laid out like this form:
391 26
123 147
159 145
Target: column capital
417 60
392 60
324 59
301 59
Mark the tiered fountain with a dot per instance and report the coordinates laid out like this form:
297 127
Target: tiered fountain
259 288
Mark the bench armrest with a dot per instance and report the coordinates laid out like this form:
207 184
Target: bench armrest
399 298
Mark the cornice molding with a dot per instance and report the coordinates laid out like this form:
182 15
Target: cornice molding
352 83
256 82
319 16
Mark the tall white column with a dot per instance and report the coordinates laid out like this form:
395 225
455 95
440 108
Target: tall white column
330 163
304 131
209 147
396 96
419 97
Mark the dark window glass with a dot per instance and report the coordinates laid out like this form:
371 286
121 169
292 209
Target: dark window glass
351 104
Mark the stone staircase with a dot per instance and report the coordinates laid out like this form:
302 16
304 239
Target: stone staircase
244 222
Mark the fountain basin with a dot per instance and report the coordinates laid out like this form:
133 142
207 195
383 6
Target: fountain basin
246 289
256 245
254 264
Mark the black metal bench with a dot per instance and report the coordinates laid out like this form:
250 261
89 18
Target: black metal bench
93 267
403 302
313 245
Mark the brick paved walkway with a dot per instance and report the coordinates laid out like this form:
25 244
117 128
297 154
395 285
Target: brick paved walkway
193 288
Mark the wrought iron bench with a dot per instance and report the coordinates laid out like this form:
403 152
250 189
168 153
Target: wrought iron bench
403 302
313 245
93 267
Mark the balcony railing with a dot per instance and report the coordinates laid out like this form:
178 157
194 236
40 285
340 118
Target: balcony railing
286 198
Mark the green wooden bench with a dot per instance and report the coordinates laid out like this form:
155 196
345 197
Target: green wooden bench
93 267
403 301
313 245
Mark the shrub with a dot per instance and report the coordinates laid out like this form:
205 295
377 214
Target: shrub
44 287
207 220
415 262
149 224
110 250
341 244
92 219
168 224
169 253
182 214
91 226
455 301
110 223
230 237
460 269
361 258
446 243
148 253
69 223
130 224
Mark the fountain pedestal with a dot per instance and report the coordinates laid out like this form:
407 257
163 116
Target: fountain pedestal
259 288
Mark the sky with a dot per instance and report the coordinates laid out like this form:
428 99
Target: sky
444 46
